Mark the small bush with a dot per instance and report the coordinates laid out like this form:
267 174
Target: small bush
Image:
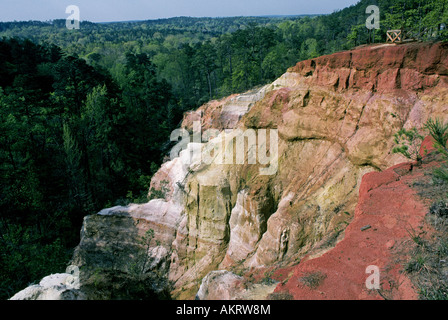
416 264
159 193
280 296
440 175
439 132
408 144
267 280
313 280
439 209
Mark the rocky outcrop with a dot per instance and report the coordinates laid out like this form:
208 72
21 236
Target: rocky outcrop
335 115
62 286
224 285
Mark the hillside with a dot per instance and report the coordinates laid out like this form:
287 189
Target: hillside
336 117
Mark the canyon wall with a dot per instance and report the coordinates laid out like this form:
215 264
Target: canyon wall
336 117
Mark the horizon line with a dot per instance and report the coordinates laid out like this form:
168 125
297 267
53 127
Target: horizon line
173 17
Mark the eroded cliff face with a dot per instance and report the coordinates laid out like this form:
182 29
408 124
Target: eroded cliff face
335 115
392 208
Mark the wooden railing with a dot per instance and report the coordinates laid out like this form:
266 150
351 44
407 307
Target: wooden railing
395 36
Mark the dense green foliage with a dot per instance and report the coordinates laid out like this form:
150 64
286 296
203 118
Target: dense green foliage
85 115
72 142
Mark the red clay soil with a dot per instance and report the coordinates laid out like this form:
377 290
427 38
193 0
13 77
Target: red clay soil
389 208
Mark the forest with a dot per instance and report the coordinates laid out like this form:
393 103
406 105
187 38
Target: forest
86 115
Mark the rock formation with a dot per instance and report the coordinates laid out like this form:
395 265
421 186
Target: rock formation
336 116
389 211
54 287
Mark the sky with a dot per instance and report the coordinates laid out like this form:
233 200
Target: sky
125 10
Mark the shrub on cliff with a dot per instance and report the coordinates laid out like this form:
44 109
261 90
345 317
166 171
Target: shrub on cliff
408 144
439 132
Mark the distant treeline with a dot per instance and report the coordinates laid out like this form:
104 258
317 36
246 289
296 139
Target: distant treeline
207 58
